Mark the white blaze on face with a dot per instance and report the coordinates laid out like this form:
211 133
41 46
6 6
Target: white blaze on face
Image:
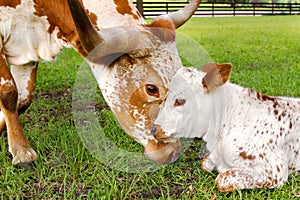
186 109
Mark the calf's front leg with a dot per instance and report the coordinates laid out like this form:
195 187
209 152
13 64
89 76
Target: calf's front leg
19 145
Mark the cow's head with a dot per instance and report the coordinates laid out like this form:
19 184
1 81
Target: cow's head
133 67
190 103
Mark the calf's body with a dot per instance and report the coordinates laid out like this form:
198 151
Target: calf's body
253 140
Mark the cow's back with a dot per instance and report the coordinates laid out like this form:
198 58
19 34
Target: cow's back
34 30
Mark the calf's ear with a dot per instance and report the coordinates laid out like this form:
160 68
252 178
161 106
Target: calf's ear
216 75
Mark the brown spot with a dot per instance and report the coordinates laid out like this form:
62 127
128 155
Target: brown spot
123 8
270 141
291 125
93 17
246 157
163 29
261 156
163 23
278 169
275 104
58 15
275 181
267 184
276 112
9 99
10 3
265 98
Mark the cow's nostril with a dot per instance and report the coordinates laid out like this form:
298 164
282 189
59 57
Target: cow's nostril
173 157
153 131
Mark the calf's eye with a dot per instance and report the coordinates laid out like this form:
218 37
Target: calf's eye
152 90
179 102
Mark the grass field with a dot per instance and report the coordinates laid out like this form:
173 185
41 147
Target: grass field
265 52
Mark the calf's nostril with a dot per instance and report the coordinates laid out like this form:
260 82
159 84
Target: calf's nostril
153 131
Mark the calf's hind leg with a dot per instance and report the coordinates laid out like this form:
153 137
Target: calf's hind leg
246 178
19 145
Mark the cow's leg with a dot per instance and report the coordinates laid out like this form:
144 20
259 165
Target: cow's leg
25 78
19 145
249 178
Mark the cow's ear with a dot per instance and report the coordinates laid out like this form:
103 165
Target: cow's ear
216 75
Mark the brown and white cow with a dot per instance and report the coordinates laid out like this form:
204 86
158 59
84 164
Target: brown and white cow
144 60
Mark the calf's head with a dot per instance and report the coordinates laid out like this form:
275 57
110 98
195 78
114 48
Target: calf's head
133 67
187 109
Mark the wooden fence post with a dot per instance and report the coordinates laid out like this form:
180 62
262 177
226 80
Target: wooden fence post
167 7
140 7
213 9
233 8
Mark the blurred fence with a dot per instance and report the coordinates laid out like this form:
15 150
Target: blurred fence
152 9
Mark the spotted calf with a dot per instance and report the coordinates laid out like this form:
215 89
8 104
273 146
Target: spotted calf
253 140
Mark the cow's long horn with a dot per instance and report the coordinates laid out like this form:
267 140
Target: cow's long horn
88 35
181 16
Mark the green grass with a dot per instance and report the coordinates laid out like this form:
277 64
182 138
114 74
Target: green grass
265 53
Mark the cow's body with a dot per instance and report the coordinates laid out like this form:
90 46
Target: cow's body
253 140
34 30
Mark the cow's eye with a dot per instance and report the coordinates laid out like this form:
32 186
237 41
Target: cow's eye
179 102
152 90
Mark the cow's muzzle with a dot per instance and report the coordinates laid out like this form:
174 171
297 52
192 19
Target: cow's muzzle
162 152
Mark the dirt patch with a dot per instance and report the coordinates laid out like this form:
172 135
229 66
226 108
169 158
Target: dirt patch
55 94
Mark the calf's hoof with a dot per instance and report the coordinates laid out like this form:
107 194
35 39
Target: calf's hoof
206 164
